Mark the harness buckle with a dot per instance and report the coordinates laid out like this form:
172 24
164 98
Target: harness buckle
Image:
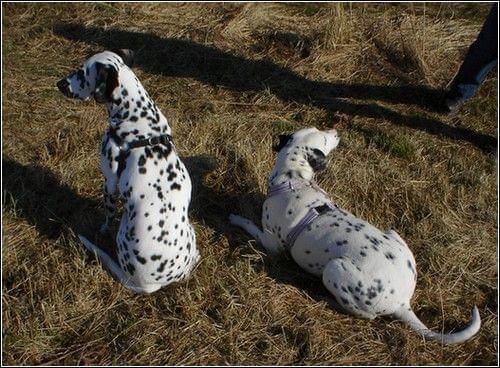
164 139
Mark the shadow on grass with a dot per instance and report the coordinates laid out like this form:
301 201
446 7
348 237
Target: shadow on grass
184 58
36 194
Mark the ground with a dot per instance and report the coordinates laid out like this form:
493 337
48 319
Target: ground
229 77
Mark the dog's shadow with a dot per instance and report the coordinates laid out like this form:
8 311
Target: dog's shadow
36 194
39 196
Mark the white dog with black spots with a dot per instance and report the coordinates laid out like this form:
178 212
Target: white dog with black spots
370 273
155 244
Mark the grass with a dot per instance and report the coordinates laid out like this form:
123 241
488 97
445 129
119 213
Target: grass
229 77
398 146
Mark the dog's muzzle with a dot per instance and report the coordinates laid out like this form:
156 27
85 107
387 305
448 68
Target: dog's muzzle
63 86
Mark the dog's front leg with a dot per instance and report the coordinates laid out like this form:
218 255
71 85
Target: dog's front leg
109 195
246 225
264 238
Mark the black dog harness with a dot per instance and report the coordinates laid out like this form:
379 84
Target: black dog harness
125 147
165 139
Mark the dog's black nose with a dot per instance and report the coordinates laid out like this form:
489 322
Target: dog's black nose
63 86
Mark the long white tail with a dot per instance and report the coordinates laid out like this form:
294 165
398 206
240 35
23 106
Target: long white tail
108 262
408 317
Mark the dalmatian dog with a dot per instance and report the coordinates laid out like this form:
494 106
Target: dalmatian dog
370 273
155 243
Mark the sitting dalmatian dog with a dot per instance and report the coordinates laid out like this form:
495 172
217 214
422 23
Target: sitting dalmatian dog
155 243
369 272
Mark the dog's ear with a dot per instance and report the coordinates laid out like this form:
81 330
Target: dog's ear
283 140
317 160
126 55
106 82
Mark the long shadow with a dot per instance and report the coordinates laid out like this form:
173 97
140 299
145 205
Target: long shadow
184 58
36 194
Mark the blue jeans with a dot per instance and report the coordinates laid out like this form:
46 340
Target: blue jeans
479 60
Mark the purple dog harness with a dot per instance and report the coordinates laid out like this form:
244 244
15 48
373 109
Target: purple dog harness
310 216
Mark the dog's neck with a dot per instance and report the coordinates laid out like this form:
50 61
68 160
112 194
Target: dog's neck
132 108
290 167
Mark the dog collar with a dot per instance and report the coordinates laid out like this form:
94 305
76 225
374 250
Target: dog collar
291 185
310 216
164 139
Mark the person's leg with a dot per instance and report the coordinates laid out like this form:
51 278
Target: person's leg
479 60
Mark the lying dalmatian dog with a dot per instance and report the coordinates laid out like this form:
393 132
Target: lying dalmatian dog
155 243
369 272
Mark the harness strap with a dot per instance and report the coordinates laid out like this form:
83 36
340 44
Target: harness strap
291 185
310 216
164 139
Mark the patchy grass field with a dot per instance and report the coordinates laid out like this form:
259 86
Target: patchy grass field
229 77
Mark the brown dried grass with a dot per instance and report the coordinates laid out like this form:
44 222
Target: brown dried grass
241 306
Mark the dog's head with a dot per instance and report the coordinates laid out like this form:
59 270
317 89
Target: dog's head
306 149
98 76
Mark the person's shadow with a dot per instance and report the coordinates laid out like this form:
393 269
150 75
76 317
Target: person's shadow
185 58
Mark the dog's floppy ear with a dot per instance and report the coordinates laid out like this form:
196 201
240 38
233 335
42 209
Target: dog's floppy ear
106 82
283 140
317 160
126 55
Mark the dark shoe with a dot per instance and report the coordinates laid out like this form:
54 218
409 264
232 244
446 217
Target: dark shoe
451 102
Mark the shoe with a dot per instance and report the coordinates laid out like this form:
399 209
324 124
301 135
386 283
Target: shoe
451 102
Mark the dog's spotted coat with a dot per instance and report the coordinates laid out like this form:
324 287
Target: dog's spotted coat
156 244
370 273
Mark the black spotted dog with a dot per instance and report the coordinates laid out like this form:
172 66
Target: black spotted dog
155 243
369 272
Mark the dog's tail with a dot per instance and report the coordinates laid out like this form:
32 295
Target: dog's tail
108 262
407 315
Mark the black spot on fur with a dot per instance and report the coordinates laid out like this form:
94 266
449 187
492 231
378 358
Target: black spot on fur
142 161
389 255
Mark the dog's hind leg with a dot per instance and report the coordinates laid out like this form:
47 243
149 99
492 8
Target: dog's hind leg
344 282
396 236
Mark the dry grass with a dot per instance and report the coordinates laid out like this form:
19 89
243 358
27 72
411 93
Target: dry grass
228 77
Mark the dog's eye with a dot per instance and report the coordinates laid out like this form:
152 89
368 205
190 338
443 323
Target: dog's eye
318 152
